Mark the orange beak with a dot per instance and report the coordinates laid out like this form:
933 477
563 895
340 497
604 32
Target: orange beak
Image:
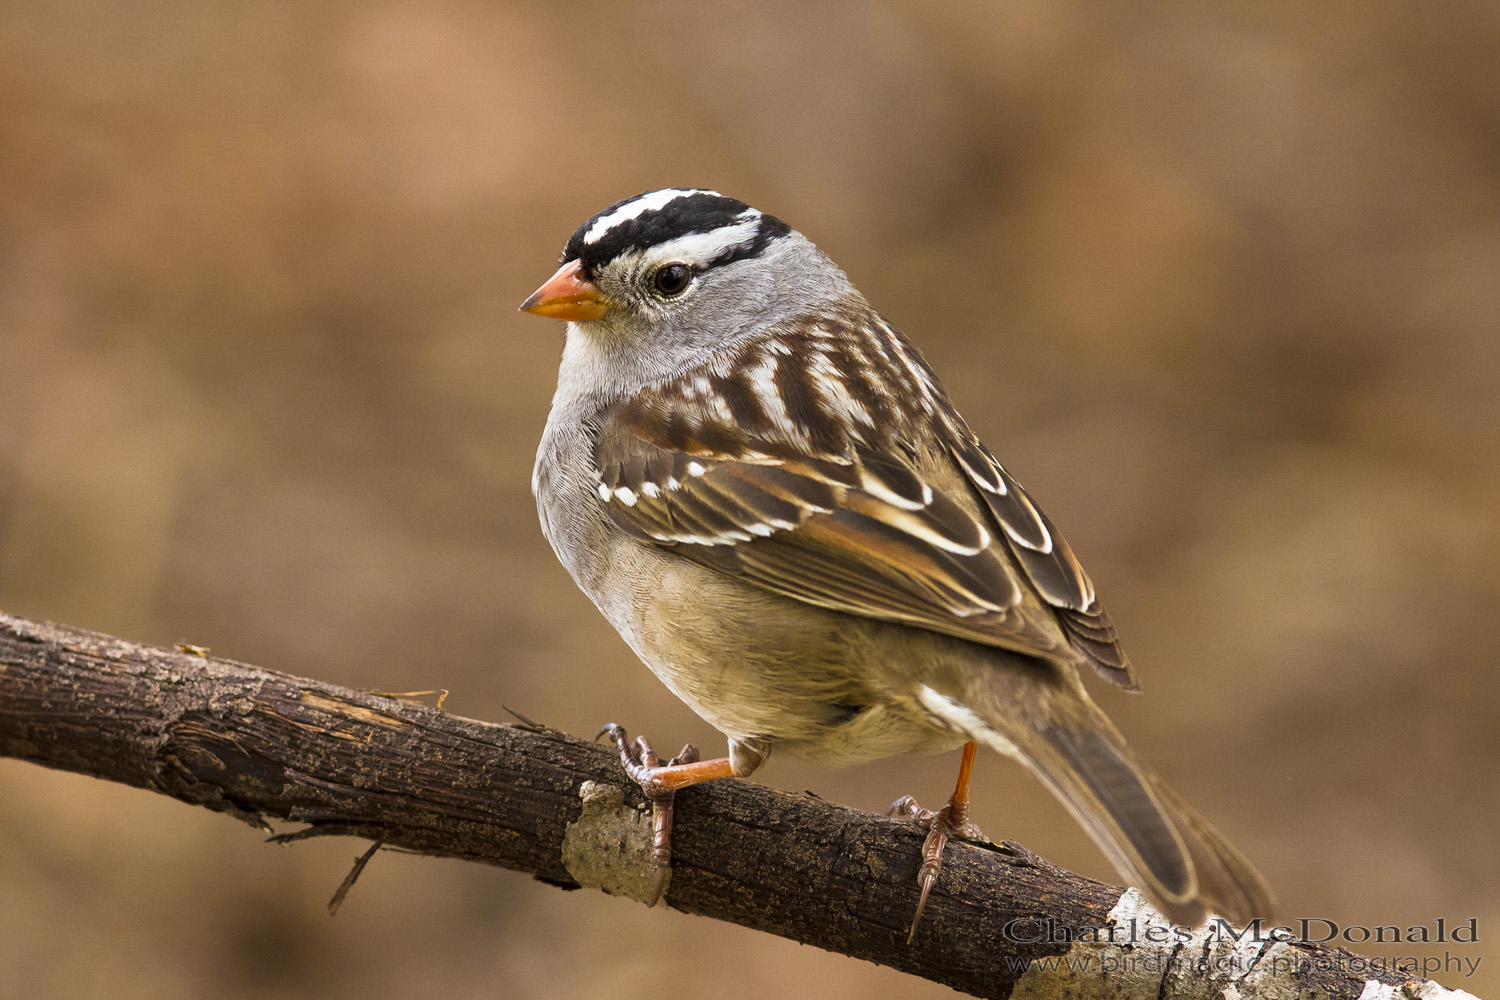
567 296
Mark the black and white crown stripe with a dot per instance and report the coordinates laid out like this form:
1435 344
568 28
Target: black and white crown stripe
622 212
697 226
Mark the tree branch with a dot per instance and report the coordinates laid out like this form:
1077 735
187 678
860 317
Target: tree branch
254 744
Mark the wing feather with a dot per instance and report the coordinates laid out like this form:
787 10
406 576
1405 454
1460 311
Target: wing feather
1050 565
797 529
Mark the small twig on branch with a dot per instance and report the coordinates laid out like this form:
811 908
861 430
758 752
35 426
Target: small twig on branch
254 743
354 873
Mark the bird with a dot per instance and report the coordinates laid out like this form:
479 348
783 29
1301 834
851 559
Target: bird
766 490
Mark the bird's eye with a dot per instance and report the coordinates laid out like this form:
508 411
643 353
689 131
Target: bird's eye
673 279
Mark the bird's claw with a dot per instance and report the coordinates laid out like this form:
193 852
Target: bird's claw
643 765
951 821
908 808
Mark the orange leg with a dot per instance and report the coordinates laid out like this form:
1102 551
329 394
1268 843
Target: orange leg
950 821
660 782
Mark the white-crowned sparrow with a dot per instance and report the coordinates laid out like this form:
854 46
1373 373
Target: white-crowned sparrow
765 489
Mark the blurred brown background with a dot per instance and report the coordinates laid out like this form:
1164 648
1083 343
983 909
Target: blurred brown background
1220 283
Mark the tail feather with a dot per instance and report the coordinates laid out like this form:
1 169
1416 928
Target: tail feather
1234 888
1156 840
1121 810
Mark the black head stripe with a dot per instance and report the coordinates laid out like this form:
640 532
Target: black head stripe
691 212
770 228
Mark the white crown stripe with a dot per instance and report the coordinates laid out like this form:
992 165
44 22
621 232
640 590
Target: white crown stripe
631 209
700 248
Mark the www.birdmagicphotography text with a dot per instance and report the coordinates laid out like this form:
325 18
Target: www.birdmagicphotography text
1159 963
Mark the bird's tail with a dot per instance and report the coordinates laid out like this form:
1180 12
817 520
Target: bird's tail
1156 840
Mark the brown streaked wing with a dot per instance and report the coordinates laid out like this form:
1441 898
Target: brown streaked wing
798 529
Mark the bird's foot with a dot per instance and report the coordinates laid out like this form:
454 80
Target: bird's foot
643 765
951 821
660 783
